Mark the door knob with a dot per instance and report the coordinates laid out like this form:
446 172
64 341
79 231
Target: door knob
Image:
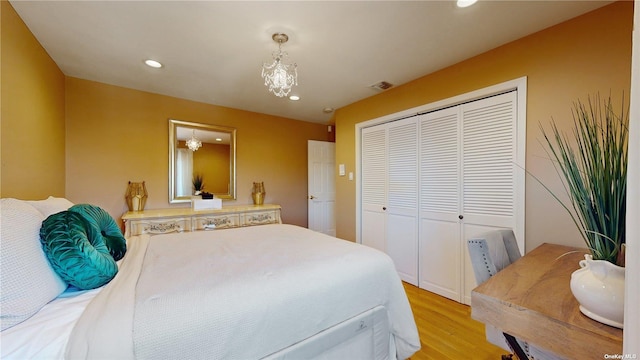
311 197
460 217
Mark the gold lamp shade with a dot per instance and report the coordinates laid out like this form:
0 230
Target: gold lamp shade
136 196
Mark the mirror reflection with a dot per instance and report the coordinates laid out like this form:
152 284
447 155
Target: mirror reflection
202 160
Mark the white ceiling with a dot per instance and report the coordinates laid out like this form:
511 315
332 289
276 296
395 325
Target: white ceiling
213 51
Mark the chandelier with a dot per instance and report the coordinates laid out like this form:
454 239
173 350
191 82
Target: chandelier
194 144
280 77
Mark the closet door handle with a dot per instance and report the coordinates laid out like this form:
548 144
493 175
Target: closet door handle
384 208
460 217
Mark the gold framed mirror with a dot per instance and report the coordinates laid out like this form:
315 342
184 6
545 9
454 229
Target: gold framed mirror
211 156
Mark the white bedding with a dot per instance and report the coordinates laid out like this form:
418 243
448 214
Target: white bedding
45 335
254 292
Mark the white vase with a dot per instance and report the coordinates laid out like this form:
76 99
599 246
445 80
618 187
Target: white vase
599 288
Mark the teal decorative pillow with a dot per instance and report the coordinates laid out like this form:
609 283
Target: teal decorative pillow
76 250
104 224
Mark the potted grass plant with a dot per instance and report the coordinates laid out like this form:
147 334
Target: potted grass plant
198 184
592 164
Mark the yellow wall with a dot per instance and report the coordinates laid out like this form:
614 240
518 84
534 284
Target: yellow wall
585 55
32 116
116 135
93 138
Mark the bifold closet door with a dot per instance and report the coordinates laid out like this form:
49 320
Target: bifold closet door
402 199
490 185
467 187
389 202
435 180
440 248
374 187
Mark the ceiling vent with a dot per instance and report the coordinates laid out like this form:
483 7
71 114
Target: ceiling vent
382 85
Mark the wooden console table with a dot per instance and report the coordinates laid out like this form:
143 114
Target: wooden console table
161 221
531 300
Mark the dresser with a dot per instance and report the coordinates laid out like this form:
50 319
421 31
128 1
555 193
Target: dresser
162 221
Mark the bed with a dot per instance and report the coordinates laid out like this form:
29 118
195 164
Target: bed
264 292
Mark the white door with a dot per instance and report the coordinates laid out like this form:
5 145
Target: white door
374 187
321 186
402 199
468 186
490 181
389 188
440 266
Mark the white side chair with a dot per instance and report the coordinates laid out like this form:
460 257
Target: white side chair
490 253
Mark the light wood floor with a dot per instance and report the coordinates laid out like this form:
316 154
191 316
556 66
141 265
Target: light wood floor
447 330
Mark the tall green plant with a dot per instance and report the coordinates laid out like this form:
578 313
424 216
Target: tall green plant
198 182
594 171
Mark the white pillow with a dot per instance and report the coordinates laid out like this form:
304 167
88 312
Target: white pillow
27 281
51 205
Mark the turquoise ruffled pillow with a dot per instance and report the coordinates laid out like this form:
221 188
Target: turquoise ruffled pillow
76 251
82 245
104 224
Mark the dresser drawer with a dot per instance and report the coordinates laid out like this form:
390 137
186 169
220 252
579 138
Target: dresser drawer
162 221
210 222
164 226
261 218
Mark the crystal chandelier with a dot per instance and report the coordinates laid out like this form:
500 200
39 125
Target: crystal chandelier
194 144
280 77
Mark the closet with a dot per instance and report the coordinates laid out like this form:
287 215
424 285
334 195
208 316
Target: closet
433 180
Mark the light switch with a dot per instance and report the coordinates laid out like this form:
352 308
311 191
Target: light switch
350 175
341 169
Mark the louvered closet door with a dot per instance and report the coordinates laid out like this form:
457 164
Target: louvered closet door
402 199
373 187
440 248
488 170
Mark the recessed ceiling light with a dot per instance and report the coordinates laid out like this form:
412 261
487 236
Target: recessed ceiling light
294 97
153 63
466 3
327 110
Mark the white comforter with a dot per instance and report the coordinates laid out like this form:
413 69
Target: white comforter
237 294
